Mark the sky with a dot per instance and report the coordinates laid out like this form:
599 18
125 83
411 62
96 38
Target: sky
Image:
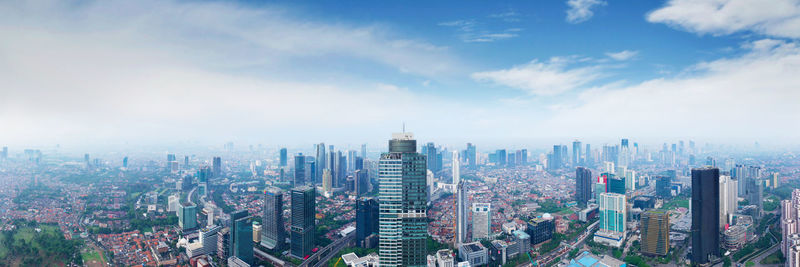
499 73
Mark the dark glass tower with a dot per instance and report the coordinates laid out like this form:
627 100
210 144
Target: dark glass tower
403 198
366 218
705 214
614 184
299 170
303 211
217 166
273 234
583 185
284 160
241 236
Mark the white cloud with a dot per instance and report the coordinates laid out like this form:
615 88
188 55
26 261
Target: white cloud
743 99
623 55
543 78
472 31
581 10
779 18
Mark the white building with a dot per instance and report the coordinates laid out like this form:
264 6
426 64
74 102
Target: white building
461 216
728 202
173 203
481 220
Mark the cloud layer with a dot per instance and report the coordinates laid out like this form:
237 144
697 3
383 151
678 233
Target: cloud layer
581 10
779 18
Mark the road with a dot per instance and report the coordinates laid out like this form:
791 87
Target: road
325 254
562 250
764 254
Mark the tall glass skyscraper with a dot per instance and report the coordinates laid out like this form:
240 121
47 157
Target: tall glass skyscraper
273 234
284 160
299 170
705 214
403 200
241 236
303 211
583 185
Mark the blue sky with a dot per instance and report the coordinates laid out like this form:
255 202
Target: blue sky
526 73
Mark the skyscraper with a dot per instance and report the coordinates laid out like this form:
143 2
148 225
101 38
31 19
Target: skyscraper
655 233
366 219
321 163
705 214
576 153
728 194
187 216
583 185
555 163
613 216
240 241
299 169
273 234
461 214
363 151
588 160
403 198
327 181
472 156
456 169
361 182
217 166
430 150
481 220
303 225
284 158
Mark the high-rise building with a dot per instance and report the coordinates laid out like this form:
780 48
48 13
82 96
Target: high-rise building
655 233
540 229
299 170
583 185
242 236
124 162
481 220
217 166
615 184
403 198
187 216
4 155
321 163
461 213
613 216
303 224
576 153
327 181
728 203
472 156
705 214
363 151
273 232
366 219
284 158
588 159
755 194
663 187
361 182
555 161
430 150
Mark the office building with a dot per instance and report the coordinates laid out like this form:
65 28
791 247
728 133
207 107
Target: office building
273 232
481 220
728 202
705 215
187 216
615 184
475 253
283 158
583 185
299 170
223 243
303 224
327 182
173 203
663 187
216 166
655 233
540 229
367 213
472 156
321 163
576 153
613 215
403 198
461 214
208 237
240 242
361 177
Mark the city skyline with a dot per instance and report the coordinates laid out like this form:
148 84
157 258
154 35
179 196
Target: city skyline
115 73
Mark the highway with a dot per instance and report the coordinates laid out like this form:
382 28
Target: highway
323 255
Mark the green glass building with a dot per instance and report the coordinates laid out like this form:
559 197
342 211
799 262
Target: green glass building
403 194
187 216
302 225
